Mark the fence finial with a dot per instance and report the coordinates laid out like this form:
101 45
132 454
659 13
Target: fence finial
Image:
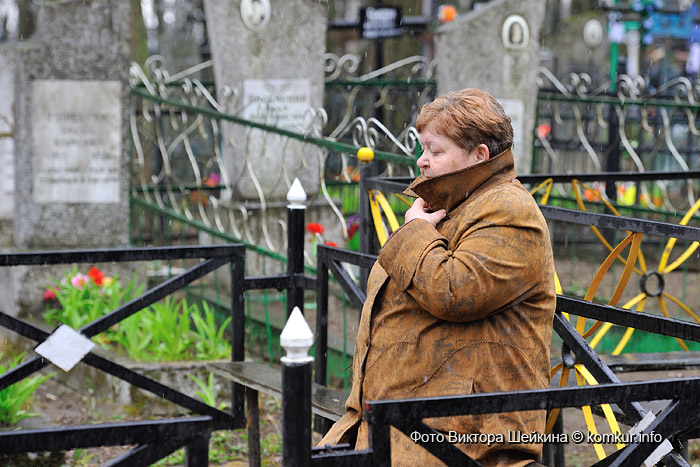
296 338
365 155
296 195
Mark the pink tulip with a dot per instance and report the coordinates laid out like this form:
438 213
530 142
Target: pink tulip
79 280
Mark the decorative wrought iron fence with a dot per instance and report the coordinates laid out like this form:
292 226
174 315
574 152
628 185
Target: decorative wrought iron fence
179 132
388 99
584 127
181 138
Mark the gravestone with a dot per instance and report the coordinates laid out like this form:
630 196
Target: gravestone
71 142
72 127
7 145
495 48
271 52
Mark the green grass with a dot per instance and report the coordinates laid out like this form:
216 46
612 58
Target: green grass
16 399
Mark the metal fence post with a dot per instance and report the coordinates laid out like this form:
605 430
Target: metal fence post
296 210
238 334
296 339
612 164
321 425
365 156
197 452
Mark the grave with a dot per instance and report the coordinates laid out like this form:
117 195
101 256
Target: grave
495 48
271 52
71 141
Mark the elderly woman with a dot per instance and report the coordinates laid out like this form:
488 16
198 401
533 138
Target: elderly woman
461 298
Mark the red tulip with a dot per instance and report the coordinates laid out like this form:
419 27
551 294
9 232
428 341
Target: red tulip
315 228
96 275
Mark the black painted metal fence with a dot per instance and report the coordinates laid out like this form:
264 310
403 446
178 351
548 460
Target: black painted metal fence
678 420
155 439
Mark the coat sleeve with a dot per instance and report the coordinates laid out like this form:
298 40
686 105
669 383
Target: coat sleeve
498 261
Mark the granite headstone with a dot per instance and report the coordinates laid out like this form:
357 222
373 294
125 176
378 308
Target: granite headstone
495 48
71 142
72 127
271 51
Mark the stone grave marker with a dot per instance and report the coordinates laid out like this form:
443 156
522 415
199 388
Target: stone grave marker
71 142
72 128
495 48
271 51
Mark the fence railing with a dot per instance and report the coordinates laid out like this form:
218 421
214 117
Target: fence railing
642 447
155 439
598 217
200 158
388 98
184 138
584 127
652 286
678 420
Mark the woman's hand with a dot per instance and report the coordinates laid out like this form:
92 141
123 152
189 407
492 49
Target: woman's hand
421 210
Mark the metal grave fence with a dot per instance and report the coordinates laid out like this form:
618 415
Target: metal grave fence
155 439
585 362
577 355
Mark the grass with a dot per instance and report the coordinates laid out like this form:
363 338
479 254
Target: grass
168 330
16 399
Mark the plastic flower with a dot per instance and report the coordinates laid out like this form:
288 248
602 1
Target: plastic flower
315 228
79 280
198 197
591 195
353 225
96 275
213 180
332 244
49 294
447 13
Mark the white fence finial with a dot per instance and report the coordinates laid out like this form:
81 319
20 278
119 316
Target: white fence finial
296 338
296 195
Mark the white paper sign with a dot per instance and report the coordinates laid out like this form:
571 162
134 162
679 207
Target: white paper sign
277 102
515 109
65 347
76 141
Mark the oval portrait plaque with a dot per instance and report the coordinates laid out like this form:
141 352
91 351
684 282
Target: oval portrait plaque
515 33
255 13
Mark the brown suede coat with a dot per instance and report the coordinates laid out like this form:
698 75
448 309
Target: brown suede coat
463 308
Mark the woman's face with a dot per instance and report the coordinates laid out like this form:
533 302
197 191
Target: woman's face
441 155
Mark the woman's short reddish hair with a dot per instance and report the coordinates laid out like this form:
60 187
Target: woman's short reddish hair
469 117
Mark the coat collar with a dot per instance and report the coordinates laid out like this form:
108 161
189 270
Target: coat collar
448 190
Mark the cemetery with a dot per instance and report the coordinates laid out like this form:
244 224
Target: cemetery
194 193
